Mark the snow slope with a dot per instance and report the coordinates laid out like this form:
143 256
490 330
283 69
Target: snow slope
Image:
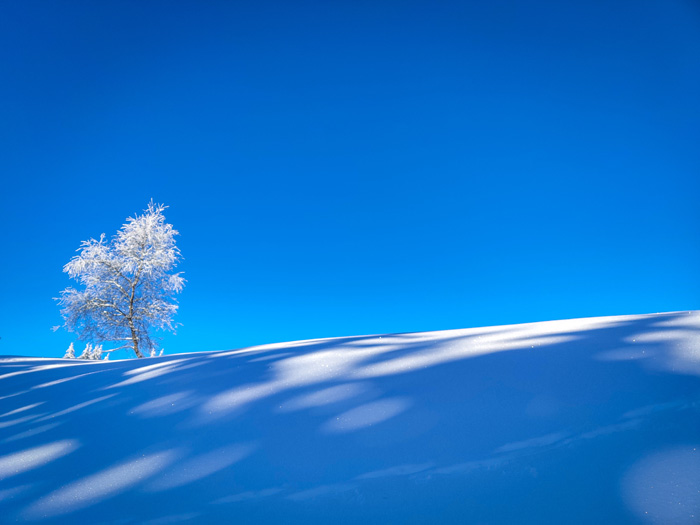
579 421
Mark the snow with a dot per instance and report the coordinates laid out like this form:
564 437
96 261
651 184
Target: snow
576 421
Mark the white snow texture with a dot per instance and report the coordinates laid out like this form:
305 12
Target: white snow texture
579 421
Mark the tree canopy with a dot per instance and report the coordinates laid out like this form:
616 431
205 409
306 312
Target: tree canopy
128 284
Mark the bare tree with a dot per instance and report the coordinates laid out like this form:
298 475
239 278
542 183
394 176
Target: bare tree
129 286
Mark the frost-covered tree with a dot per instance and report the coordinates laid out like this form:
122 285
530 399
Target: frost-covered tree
128 284
96 353
86 353
70 353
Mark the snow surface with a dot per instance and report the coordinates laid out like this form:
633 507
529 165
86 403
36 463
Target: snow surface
577 421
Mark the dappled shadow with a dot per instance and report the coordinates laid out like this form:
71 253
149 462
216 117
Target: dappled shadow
95 488
490 423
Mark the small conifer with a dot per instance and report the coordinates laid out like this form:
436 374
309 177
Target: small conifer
86 353
70 353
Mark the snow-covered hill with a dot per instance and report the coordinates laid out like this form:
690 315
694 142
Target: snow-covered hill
579 421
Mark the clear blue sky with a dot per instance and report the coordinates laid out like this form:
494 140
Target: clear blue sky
342 168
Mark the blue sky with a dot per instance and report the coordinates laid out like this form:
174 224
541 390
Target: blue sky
342 168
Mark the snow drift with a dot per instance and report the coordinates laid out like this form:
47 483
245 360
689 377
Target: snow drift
579 421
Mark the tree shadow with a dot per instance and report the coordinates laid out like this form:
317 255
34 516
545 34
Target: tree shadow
529 423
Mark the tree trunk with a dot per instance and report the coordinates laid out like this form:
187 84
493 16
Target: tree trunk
135 340
130 318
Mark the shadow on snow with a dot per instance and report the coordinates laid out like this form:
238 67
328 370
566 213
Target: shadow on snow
554 422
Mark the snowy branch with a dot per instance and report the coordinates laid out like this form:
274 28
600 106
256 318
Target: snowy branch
128 285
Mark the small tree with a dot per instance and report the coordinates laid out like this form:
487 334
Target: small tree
96 353
87 352
129 286
70 353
